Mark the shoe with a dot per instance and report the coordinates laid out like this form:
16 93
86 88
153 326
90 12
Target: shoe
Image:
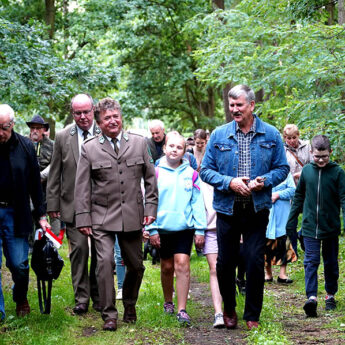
284 281
80 308
110 325
252 324
97 307
23 309
269 280
218 321
331 304
310 308
183 318
230 320
130 315
169 308
119 294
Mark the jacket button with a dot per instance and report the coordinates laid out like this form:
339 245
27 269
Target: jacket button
121 182
123 201
118 162
122 192
120 172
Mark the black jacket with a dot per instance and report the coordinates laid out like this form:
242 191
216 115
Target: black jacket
27 184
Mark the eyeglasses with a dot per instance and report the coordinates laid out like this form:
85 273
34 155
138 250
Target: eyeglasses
6 126
80 113
324 157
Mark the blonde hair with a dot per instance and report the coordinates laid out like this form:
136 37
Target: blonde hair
175 134
290 129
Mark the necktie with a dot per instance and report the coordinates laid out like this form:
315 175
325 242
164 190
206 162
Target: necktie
116 148
85 134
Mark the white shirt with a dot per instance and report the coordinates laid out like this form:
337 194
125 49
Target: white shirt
81 137
118 140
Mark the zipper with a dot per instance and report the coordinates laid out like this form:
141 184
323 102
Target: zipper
318 202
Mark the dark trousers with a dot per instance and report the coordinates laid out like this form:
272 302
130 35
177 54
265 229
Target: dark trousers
229 229
132 254
330 249
84 281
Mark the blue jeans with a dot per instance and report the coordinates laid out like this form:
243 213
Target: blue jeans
16 251
120 266
330 248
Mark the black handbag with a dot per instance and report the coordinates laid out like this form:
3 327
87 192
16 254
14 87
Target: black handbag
47 264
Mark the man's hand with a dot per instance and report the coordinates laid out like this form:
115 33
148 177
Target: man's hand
257 184
86 230
297 175
199 241
146 236
239 185
275 197
155 241
44 224
148 220
54 214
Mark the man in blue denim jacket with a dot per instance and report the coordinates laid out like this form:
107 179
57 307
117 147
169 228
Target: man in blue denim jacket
244 159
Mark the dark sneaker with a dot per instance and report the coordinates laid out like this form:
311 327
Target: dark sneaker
331 304
310 308
183 318
169 308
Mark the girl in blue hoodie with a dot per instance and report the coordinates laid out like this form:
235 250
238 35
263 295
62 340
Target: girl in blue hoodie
181 214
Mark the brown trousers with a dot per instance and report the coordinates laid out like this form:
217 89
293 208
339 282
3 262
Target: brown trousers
132 255
84 283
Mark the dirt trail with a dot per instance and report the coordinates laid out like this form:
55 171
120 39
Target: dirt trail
298 328
202 331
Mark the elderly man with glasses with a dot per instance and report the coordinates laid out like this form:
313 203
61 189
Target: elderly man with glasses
19 181
60 199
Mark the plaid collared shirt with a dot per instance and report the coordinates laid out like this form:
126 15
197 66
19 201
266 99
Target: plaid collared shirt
244 160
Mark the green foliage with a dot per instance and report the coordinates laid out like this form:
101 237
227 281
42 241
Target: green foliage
300 66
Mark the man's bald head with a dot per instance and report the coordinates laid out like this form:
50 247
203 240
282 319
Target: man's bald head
6 122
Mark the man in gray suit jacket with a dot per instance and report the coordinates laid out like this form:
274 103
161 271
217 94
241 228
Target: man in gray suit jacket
60 199
109 202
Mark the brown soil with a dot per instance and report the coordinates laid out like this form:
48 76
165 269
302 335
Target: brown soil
202 331
299 328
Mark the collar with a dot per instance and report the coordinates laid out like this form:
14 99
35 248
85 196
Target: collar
110 139
90 130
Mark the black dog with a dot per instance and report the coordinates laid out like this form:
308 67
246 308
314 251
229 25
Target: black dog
154 252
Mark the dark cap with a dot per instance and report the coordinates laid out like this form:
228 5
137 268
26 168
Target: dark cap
38 120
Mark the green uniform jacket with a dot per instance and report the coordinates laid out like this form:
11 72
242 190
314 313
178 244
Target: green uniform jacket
319 194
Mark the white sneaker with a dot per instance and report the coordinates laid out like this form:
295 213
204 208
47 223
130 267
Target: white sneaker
119 294
218 321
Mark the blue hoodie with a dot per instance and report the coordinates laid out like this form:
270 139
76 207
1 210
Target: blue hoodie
180 204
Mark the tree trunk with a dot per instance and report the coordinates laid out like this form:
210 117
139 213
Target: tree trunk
226 90
341 12
219 4
330 10
50 17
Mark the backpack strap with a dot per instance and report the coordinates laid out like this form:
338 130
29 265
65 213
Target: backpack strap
194 178
46 299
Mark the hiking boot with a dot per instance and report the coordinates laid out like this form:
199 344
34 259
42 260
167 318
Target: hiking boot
169 308
183 318
23 309
218 321
310 308
330 303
